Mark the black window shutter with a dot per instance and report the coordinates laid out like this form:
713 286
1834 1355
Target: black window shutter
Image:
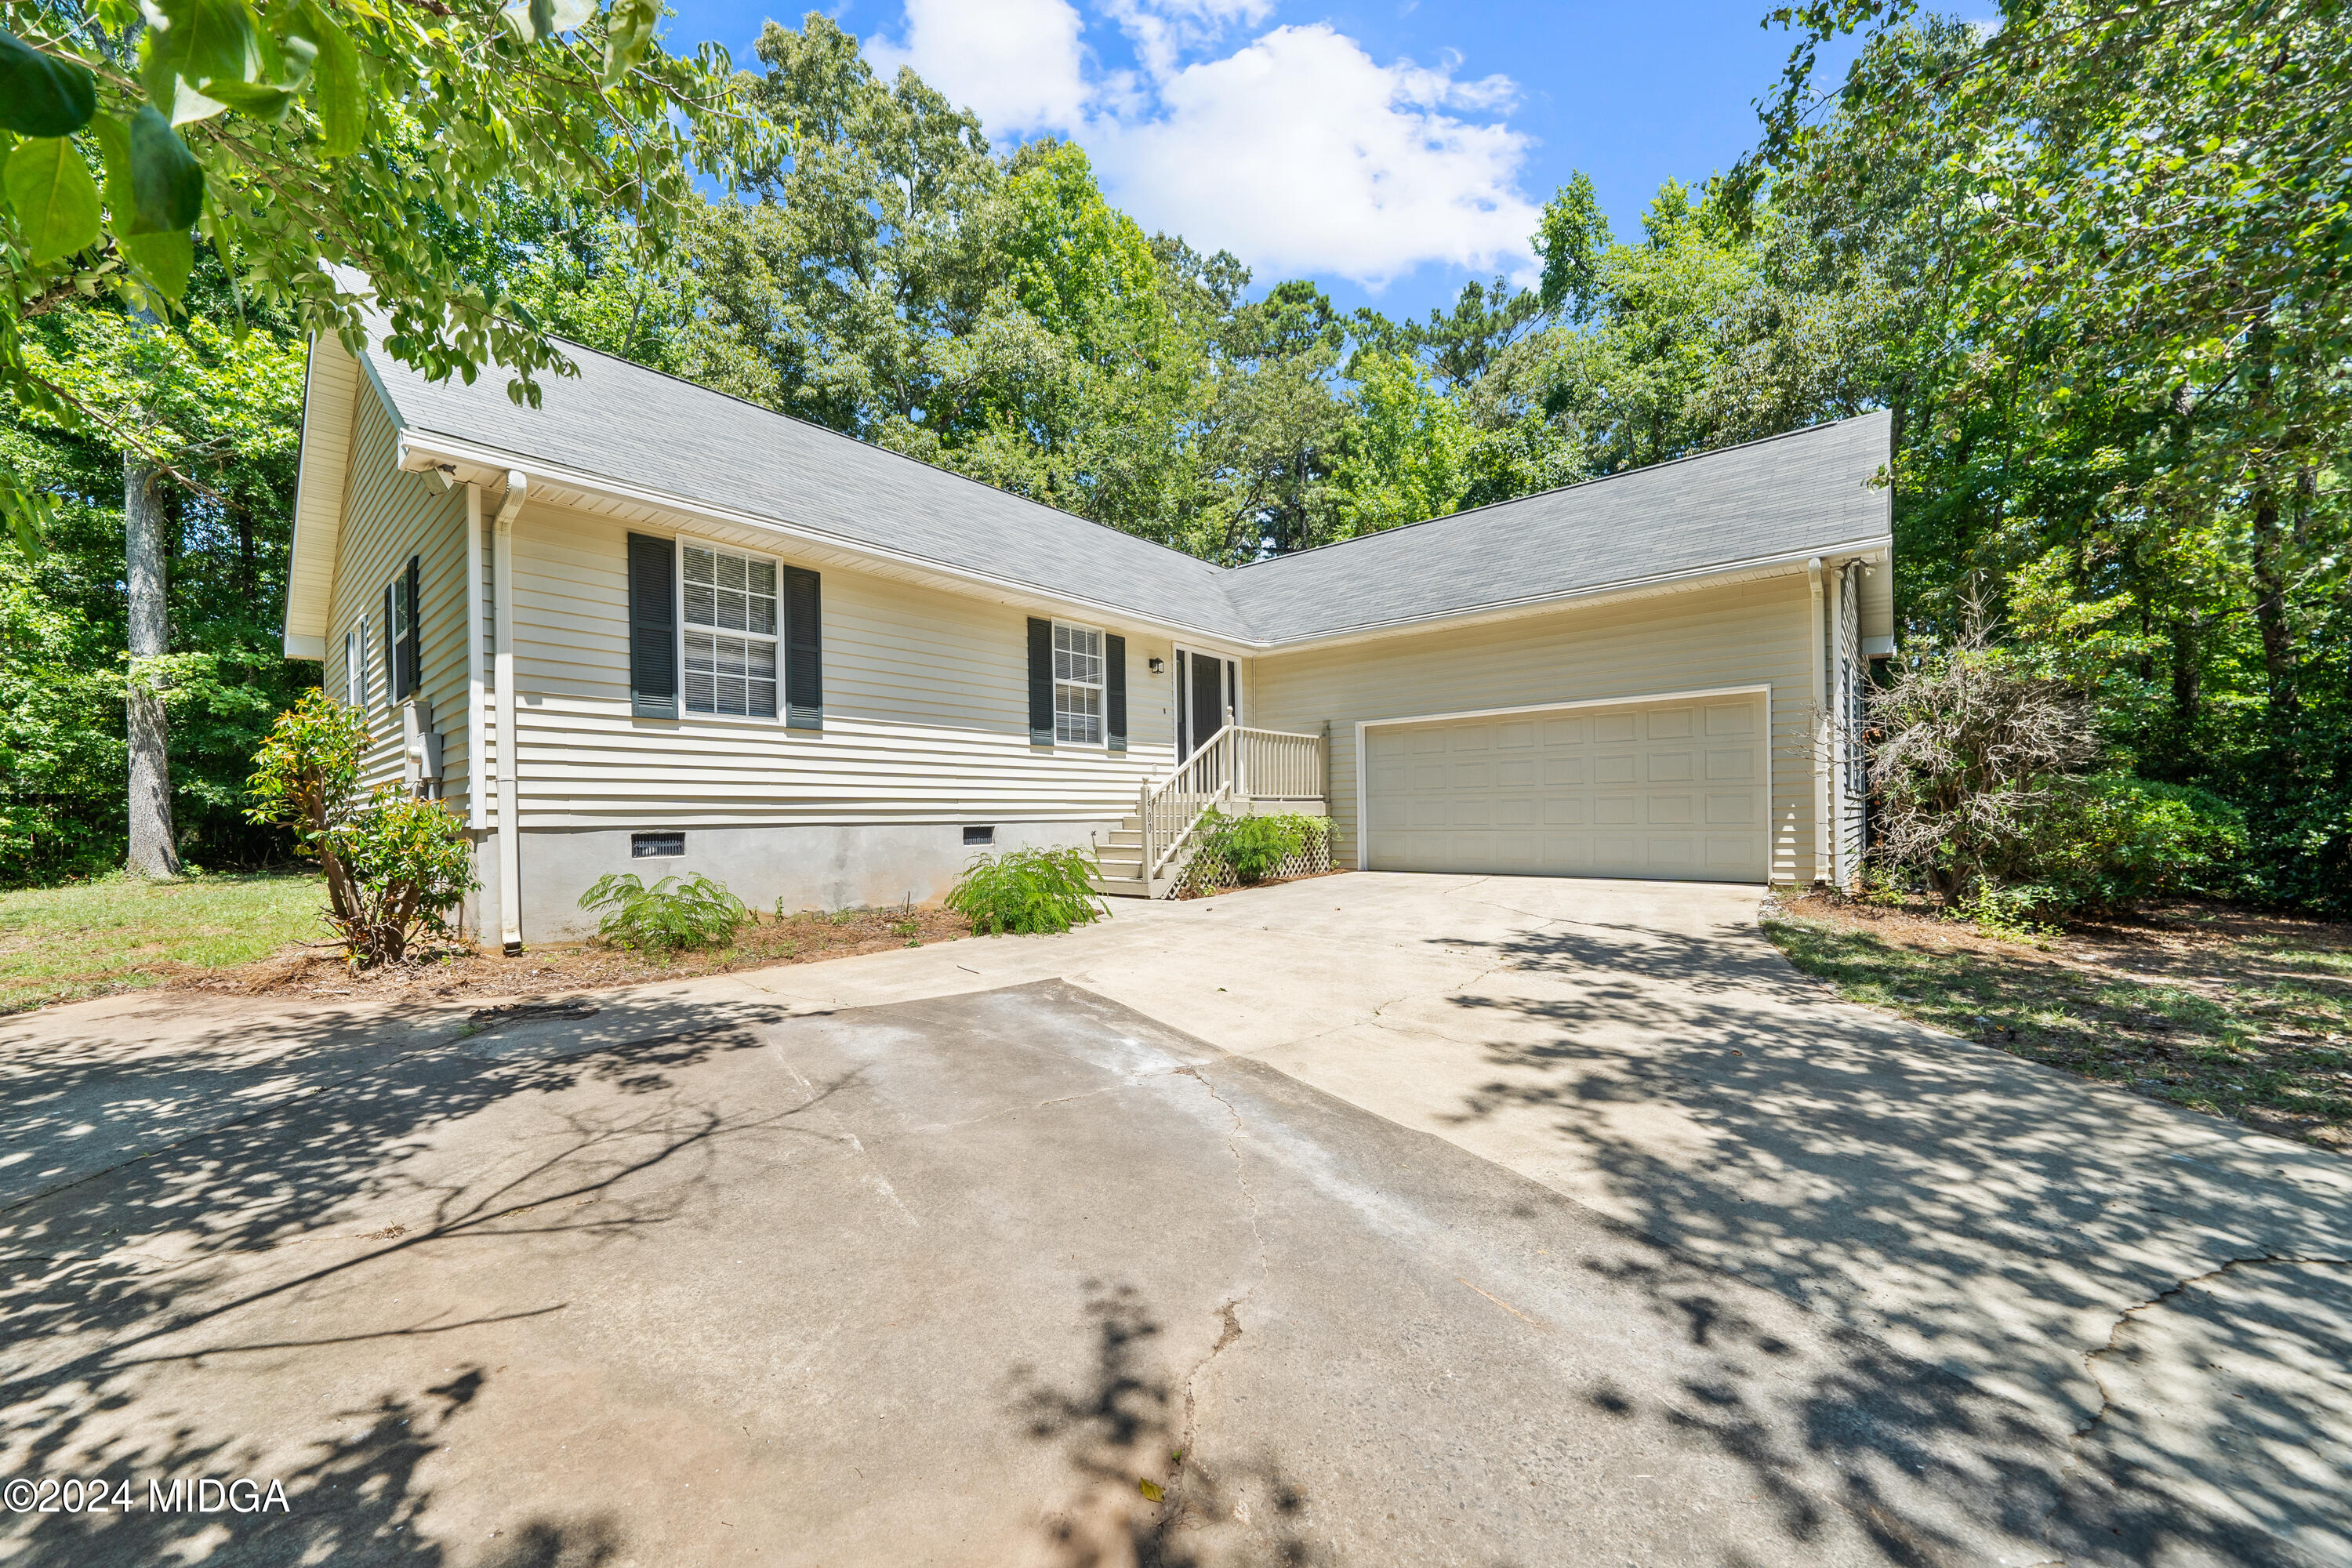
1115 693
803 651
411 654
653 626
391 650
1041 683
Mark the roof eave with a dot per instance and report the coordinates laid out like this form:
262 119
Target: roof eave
478 463
330 388
1871 547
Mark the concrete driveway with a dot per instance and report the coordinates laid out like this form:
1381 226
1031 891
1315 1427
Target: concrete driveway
1431 1219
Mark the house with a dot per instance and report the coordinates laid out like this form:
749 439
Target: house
651 627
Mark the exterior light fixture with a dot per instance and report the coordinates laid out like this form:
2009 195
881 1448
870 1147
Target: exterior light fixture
1158 664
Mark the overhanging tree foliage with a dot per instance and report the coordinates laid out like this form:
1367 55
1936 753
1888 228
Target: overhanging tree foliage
294 134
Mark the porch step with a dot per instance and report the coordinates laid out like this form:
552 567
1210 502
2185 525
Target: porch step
1123 838
1121 886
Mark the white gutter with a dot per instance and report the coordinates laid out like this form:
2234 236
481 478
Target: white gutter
510 766
419 451
1814 635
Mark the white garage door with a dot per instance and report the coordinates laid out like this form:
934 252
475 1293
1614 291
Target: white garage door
1664 789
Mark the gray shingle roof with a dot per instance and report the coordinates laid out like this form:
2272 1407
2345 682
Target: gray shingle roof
1788 495
620 421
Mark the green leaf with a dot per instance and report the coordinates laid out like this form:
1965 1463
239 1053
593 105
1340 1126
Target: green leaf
194 43
30 515
337 93
166 259
1150 1488
270 104
628 33
55 198
40 96
167 184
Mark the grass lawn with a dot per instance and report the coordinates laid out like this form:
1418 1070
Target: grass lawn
2220 1010
119 933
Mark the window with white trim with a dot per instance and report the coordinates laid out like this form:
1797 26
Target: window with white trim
1078 685
731 633
361 673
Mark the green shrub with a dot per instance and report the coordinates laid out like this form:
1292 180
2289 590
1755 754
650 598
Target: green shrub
2108 841
1252 847
668 915
1027 891
395 865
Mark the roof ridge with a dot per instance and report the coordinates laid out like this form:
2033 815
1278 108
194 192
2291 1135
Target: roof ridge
1563 489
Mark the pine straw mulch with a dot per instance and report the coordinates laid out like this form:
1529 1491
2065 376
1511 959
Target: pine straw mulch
2229 1011
543 968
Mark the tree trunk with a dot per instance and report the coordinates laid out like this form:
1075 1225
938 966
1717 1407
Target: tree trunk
2270 613
154 852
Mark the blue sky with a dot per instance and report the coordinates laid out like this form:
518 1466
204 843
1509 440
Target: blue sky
1388 151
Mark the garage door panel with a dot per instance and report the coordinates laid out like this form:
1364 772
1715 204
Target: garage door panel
1668 790
1732 810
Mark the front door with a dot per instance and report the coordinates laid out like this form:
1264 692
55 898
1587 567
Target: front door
1204 692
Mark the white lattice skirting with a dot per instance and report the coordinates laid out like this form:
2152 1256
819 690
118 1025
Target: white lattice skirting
1209 872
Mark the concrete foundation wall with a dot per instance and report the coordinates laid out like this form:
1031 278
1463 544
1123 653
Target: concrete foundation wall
808 865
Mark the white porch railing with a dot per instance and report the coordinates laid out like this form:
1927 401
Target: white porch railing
1234 764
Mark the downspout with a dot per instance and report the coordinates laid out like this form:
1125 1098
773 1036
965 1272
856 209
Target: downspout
478 802
1815 634
509 766
1833 689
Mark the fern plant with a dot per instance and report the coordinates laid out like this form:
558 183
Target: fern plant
668 915
1027 891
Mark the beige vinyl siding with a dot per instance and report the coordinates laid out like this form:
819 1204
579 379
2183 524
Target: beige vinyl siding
389 516
1703 639
926 708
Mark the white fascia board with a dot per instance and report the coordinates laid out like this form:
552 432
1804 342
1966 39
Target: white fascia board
464 460
328 389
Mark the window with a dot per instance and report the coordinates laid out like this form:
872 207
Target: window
980 834
1077 685
353 661
653 846
358 673
730 634
400 635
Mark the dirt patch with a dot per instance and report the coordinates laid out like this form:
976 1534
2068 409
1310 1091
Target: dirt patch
805 938
2229 1011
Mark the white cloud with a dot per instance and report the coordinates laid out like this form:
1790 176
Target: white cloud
1298 151
1302 154
1017 63
1165 30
